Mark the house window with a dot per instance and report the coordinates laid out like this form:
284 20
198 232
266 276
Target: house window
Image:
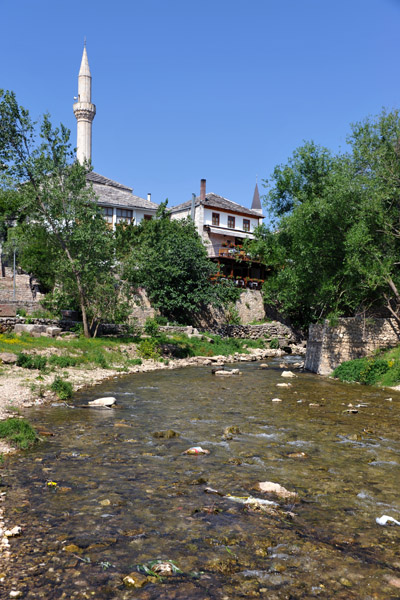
147 217
108 214
246 224
231 222
124 215
215 219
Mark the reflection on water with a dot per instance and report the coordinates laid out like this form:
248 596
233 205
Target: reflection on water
125 497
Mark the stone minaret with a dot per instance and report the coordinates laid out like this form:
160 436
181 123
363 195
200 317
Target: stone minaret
84 111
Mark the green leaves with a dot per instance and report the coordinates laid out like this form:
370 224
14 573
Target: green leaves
336 246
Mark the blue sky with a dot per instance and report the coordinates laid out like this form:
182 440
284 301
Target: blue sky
222 90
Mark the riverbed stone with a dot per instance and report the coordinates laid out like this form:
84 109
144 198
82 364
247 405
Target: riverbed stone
275 488
167 434
135 580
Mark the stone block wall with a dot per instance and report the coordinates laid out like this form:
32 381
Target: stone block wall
350 338
26 291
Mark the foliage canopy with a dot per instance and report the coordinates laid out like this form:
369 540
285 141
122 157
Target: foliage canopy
335 243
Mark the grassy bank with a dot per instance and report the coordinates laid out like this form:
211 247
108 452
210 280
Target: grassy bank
47 354
382 369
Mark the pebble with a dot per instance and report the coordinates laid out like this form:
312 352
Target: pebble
13 532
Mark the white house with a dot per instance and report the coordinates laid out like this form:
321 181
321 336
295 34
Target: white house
223 225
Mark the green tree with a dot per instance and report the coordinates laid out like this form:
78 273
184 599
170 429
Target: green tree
335 247
168 259
55 205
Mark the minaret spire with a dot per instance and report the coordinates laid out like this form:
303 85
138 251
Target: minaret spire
256 205
84 111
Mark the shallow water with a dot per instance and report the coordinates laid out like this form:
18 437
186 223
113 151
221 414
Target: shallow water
124 497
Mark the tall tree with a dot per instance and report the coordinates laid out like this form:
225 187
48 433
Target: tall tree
55 202
168 258
336 244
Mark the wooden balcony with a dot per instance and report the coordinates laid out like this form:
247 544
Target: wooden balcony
235 253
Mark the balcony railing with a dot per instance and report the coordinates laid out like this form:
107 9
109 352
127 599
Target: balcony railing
234 252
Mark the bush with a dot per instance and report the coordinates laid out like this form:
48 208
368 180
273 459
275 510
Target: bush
151 327
29 361
149 349
62 388
274 344
362 370
160 320
18 431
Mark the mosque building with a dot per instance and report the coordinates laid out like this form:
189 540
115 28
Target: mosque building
117 201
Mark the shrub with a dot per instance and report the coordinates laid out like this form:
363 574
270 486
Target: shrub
160 320
18 431
151 327
274 344
62 388
29 361
148 349
362 370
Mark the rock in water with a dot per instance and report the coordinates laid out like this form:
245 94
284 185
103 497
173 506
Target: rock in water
275 488
227 372
287 374
110 401
135 580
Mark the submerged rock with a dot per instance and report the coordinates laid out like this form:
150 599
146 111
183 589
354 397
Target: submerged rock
167 434
135 580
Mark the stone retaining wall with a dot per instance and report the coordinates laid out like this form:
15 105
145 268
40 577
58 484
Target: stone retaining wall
271 330
351 338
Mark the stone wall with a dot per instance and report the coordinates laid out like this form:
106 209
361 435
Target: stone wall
26 290
271 330
250 306
351 338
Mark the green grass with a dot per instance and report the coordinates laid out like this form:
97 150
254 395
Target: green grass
18 432
382 369
109 352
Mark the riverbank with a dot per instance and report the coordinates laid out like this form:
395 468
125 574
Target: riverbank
22 388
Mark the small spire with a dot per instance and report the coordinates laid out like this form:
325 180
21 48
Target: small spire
256 200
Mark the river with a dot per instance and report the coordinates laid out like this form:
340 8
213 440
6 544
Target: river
106 493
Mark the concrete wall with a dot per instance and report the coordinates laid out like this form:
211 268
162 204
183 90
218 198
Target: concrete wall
351 338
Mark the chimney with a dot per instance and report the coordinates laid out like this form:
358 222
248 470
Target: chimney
149 197
202 190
